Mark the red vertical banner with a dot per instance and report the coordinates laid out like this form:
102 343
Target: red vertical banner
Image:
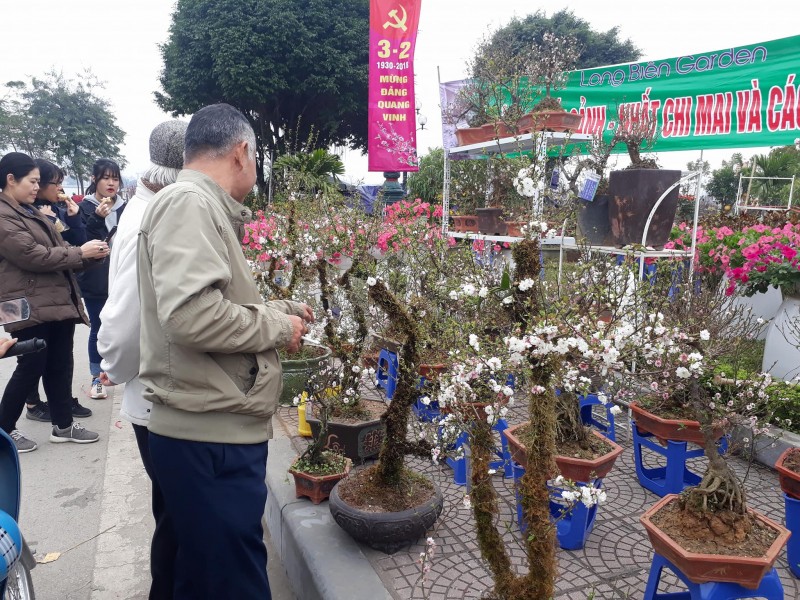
392 115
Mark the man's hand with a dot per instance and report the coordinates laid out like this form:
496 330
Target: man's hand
105 380
308 314
298 331
5 344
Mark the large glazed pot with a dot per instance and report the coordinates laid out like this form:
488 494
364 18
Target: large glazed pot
296 373
387 532
705 568
634 193
782 346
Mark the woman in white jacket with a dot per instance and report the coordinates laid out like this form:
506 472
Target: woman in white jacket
118 339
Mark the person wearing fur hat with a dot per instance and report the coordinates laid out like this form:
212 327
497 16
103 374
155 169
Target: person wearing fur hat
118 338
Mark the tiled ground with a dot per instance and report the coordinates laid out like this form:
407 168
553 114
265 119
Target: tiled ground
613 564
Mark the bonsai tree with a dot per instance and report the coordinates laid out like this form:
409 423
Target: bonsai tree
637 129
547 66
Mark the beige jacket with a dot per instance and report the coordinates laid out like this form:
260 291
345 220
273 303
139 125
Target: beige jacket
208 360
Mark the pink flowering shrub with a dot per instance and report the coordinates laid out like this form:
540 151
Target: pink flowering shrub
753 258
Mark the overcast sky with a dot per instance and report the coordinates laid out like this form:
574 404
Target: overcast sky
119 42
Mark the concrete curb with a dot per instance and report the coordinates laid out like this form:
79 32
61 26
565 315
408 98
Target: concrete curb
321 560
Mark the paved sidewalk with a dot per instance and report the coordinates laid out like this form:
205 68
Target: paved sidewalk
614 564
91 503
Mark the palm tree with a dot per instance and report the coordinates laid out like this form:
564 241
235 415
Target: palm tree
777 165
316 171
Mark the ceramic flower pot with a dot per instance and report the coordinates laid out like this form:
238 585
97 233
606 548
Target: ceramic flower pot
296 372
634 193
549 120
465 223
576 469
386 531
357 441
317 487
705 568
515 228
781 353
490 221
472 135
677 430
789 479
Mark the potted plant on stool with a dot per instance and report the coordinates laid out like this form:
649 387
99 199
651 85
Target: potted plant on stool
708 533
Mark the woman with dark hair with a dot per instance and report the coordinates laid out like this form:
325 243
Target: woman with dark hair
101 210
36 263
63 214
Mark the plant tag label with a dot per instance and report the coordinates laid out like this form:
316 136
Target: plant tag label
589 187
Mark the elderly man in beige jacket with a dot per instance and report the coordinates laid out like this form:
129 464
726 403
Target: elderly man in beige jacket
209 361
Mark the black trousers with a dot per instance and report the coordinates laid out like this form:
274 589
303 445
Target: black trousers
164 547
215 496
53 365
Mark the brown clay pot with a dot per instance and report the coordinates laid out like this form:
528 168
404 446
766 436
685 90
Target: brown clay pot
514 228
677 430
576 469
356 441
317 487
634 193
490 221
472 135
549 120
465 223
431 371
495 131
746 571
585 470
789 480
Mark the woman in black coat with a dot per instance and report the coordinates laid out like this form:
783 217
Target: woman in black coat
101 210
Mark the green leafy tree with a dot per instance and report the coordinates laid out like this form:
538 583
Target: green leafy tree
288 65
724 184
66 121
595 48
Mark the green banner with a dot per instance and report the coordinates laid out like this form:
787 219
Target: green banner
733 98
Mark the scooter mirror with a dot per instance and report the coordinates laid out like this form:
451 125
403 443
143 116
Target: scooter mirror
13 311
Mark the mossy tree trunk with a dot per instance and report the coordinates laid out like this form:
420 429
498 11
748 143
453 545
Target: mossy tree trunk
396 446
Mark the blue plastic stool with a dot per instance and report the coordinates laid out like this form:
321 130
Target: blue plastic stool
504 462
427 414
770 587
573 528
424 413
675 476
588 418
386 373
793 525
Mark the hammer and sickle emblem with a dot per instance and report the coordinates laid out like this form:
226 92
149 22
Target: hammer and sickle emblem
398 23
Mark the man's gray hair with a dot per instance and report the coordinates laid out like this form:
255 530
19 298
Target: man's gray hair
214 130
160 176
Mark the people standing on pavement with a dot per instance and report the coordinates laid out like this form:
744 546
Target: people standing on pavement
36 263
101 210
118 339
209 361
64 215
